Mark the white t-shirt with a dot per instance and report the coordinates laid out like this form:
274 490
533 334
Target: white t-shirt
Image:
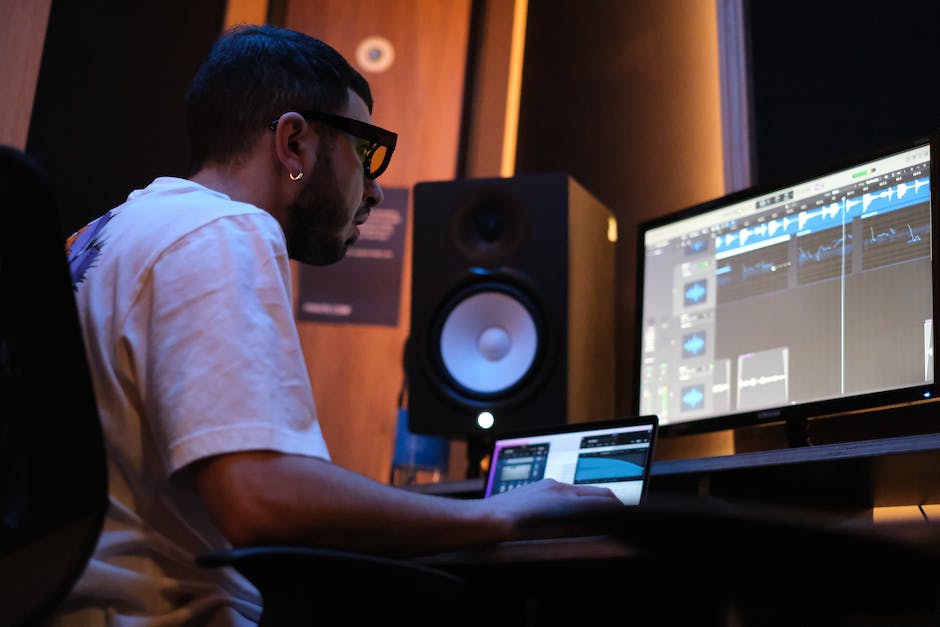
185 302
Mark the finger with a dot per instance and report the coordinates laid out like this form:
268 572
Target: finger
590 490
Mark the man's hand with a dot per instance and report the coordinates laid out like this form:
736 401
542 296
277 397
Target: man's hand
547 500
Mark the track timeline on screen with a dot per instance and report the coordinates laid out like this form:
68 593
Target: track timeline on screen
789 296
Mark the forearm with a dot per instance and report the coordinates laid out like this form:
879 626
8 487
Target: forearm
267 498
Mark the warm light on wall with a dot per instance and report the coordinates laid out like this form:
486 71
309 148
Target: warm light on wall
906 514
22 32
612 229
246 12
514 91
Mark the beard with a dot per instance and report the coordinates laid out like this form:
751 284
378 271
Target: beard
318 220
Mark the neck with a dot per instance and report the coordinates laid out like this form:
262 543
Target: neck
244 181
232 182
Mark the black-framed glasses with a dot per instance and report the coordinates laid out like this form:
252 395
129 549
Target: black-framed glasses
375 158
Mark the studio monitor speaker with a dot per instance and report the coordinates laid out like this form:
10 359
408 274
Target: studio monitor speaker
512 311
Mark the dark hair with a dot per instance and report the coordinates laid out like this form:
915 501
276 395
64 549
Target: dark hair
251 77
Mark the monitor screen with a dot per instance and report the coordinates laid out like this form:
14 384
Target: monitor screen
797 299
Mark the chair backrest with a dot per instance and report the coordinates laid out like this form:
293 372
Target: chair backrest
53 474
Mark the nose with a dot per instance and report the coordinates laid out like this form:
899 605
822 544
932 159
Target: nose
372 194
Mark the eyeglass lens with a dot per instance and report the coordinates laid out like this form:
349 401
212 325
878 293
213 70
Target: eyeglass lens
377 158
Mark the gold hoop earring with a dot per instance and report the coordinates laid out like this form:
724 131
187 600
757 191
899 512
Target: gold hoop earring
299 176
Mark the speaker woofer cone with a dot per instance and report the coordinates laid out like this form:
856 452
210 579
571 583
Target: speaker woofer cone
489 340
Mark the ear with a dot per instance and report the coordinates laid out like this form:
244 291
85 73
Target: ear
295 144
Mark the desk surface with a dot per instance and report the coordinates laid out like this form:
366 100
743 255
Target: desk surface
686 524
842 476
691 555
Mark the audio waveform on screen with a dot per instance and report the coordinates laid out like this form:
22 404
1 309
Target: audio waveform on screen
605 469
753 273
888 195
757 269
907 234
693 344
696 246
754 382
896 237
693 397
825 254
840 211
695 292
838 247
763 378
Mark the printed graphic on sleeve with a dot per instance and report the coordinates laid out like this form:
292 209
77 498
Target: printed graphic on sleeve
84 246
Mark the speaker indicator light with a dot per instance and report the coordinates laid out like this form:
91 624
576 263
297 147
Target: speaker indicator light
485 420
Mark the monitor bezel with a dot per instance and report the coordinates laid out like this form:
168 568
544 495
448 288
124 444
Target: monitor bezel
810 409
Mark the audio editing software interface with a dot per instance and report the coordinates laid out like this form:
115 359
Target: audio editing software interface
812 292
617 458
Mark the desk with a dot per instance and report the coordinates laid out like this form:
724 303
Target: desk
706 562
832 477
765 541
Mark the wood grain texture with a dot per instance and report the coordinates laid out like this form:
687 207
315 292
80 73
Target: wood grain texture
591 287
22 32
486 116
356 370
245 12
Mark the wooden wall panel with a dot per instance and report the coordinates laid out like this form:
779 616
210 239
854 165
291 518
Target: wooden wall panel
22 32
356 370
486 116
245 12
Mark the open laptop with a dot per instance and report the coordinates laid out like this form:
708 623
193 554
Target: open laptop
615 454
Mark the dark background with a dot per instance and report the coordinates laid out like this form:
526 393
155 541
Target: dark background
108 114
836 78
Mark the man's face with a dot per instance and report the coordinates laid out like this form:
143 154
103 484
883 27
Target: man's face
323 220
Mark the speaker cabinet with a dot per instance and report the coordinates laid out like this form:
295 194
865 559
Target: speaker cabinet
512 308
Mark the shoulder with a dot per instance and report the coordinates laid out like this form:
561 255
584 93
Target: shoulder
173 213
178 206
171 221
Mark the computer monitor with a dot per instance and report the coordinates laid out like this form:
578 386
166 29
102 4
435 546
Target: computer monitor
794 300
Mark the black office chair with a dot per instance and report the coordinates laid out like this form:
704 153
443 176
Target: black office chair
53 473
310 586
53 477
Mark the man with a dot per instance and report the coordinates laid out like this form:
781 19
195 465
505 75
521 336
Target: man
184 297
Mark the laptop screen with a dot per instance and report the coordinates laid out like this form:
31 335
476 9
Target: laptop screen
612 454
